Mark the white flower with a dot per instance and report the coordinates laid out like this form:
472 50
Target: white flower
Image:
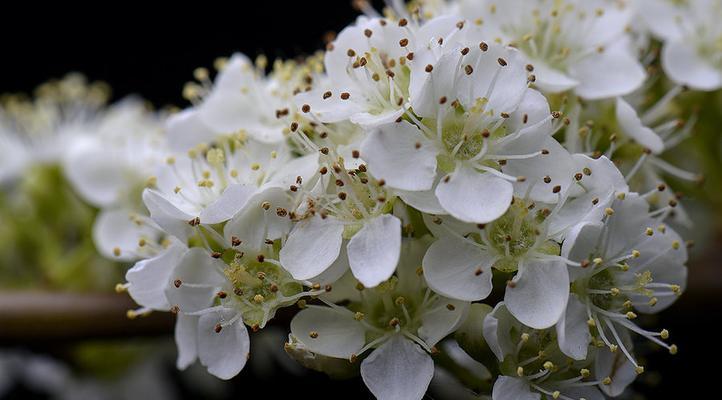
459 264
240 99
531 365
339 204
692 35
211 187
630 263
479 124
573 44
401 320
108 164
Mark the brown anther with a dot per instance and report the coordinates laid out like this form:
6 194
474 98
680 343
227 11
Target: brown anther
468 69
355 154
345 95
222 294
403 22
342 195
483 46
381 182
545 152
442 100
368 33
218 328
556 189
235 241
294 126
547 179
327 94
324 150
578 176
305 108
339 182
464 51
529 67
502 62
478 271
404 42
323 170
429 68
177 283
351 53
216 254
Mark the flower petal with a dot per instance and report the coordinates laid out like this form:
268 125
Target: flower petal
683 64
508 388
572 330
186 339
398 370
458 269
632 126
400 154
442 320
186 130
312 246
148 278
166 215
473 196
374 251
539 296
194 282
613 72
224 353
335 333
116 230
232 200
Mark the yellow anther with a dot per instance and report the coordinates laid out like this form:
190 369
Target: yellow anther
639 370
177 189
614 291
548 365
621 196
664 334
649 231
215 157
116 251
274 154
358 316
234 173
200 74
613 348
524 337
627 304
631 315
151 182
313 334
120 288
675 288
131 314
662 228
597 261
652 302
585 373
170 160
673 349
255 166
636 253
609 211
607 381
258 298
520 371
400 300
675 244
591 323
556 394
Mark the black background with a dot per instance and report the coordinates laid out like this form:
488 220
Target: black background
152 52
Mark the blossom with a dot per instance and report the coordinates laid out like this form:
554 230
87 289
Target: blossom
399 321
629 262
691 35
573 44
479 120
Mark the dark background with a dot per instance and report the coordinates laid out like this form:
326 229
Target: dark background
152 52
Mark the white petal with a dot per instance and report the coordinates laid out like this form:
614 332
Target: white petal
496 330
400 154
254 224
616 366
683 64
614 72
450 268
424 201
508 388
552 80
370 121
330 109
97 174
473 196
232 200
632 126
224 353
442 320
148 278
540 295
572 330
166 215
580 244
374 251
398 370
114 229
186 130
339 334
312 246
202 277
186 339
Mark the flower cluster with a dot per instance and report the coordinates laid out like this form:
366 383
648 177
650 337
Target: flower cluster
435 157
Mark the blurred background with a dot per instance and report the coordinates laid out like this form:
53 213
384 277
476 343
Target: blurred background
65 327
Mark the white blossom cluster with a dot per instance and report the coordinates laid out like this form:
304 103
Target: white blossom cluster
444 156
